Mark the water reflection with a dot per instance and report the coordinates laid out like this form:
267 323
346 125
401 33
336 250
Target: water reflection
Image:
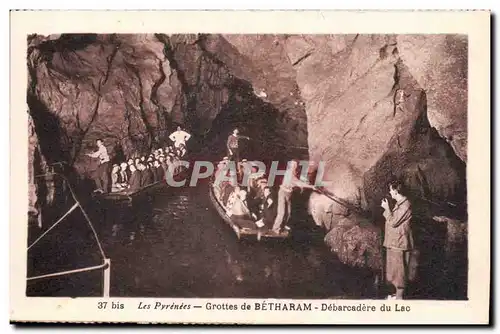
182 248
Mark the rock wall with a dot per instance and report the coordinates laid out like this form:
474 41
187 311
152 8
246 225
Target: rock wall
370 107
383 107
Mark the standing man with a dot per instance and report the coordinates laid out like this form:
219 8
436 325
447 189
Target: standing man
180 137
398 239
103 171
233 147
284 209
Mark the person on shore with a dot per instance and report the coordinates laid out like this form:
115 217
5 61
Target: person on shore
103 170
284 209
233 145
398 240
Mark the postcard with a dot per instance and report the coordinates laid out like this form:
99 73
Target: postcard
250 167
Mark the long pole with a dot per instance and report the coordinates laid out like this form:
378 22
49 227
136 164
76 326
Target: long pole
67 272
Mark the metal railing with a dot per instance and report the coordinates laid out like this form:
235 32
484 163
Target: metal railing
106 262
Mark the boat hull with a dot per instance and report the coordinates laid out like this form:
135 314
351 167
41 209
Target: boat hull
244 227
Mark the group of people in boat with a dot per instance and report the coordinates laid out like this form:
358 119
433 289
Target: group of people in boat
246 195
138 172
254 201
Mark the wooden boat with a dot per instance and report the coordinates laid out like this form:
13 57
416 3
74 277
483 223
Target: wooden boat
244 227
127 197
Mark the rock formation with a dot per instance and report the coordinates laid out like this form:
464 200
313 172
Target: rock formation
371 107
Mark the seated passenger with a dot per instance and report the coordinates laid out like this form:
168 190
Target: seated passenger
154 171
252 182
229 195
267 212
181 150
146 175
170 166
239 207
218 180
261 185
115 177
221 170
242 165
149 172
159 172
227 186
135 179
124 174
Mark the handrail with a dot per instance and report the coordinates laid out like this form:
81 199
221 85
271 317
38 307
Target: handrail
106 261
68 272
77 204
54 225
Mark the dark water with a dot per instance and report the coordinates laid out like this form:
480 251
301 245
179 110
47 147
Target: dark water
182 248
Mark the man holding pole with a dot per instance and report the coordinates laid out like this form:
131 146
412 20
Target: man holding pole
103 170
290 183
